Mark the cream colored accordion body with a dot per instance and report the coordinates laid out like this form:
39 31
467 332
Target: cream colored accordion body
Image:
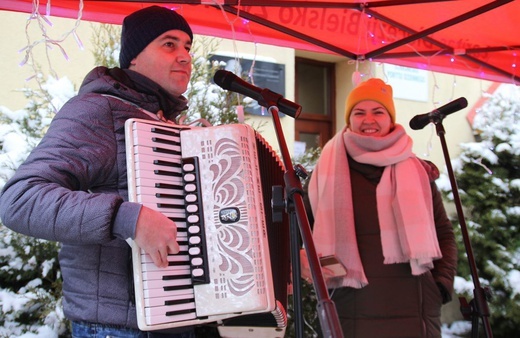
209 181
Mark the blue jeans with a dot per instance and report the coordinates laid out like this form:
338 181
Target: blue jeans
92 330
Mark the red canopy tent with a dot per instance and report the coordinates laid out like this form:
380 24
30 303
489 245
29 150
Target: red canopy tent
477 38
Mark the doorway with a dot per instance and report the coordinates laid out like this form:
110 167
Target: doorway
315 92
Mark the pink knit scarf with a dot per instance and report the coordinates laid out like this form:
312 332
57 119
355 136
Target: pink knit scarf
404 204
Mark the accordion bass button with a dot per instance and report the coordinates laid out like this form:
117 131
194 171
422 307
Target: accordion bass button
197 272
191 198
192 208
189 177
193 219
194 229
196 261
194 240
188 167
194 251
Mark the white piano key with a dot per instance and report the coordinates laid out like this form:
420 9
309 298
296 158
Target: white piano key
146 258
151 294
168 212
174 271
161 299
159 284
150 267
167 176
163 310
157 154
149 184
162 319
152 199
147 140
149 162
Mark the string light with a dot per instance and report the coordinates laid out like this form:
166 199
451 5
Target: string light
43 21
250 73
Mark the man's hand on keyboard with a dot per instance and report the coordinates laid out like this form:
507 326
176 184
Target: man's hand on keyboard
156 234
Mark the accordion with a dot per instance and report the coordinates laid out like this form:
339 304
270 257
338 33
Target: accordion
216 184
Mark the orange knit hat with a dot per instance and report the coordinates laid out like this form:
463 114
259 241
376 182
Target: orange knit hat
373 90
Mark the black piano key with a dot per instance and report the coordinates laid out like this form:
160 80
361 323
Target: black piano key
178 276
166 151
180 301
176 264
165 141
160 185
174 313
167 163
170 206
170 132
176 287
163 195
167 173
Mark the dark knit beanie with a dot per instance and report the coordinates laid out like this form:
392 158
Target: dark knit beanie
145 25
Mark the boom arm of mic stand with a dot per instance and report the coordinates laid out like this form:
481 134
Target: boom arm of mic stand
327 313
480 304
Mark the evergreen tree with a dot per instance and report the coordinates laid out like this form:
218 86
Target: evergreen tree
30 280
207 100
488 177
106 39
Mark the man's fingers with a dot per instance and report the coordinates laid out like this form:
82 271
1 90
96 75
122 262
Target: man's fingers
159 259
156 258
173 248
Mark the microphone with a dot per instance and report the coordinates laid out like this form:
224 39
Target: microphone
420 121
265 97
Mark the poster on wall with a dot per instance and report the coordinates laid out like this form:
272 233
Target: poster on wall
266 74
408 83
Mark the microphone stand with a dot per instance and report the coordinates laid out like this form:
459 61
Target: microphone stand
478 307
327 313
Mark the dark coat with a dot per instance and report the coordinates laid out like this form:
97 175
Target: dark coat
394 303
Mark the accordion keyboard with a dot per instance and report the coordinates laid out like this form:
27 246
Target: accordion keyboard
160 184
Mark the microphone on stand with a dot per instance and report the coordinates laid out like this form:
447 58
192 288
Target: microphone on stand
420 121
265 97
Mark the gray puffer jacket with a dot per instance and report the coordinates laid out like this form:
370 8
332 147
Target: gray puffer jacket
73 189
